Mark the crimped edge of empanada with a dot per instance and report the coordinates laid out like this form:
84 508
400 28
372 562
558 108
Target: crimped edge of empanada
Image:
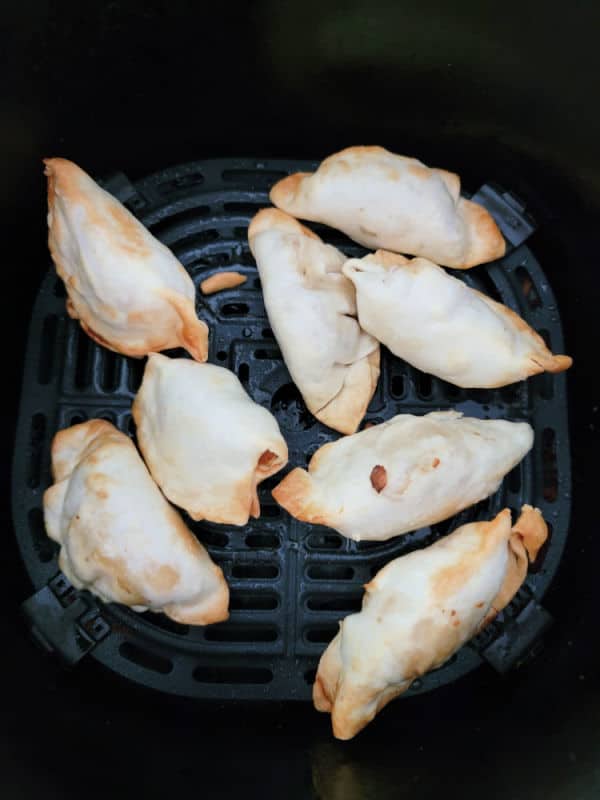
485 240
193 335
293 494
528 535
345 411
541 360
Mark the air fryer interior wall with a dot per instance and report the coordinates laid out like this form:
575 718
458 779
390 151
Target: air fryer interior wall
500 93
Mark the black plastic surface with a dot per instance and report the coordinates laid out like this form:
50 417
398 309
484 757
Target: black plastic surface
290 582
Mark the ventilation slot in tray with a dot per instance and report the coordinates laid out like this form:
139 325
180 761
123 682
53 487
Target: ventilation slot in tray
321 634
144 658
230 632
83 357
235 309
232 675
349 603
264 353
210 537
36 446
111 371
190 215
195 241
48 349
250 571
263 541
246 601
330 572
324 541
549 465
44 546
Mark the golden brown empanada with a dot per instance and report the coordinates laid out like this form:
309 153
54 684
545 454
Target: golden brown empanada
404 474
118 536
381 199
419 610
205 441
312 310
441 326
128 290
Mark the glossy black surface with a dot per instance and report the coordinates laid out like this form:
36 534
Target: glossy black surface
505 92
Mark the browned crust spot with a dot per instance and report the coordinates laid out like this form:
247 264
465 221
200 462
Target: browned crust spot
71 309
77 438
449 579
65 176
221 281
451 180
354 150
388 259
283 193
214 609
378 478
320 697
271 218
487 242
420 171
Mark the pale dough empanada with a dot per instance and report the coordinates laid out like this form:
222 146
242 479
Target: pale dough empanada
207 444
119 537
440 325
311 306
404 474
128 290
419 610
381 199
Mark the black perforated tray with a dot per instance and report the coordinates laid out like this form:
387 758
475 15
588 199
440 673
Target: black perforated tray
290 582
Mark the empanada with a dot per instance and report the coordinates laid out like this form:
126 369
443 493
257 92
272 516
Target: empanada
404 474
419 610
119 537
381 199
206 443
440 325
128 290
312 310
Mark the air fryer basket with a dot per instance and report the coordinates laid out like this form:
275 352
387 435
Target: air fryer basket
290 582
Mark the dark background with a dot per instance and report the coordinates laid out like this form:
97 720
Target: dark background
505 91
